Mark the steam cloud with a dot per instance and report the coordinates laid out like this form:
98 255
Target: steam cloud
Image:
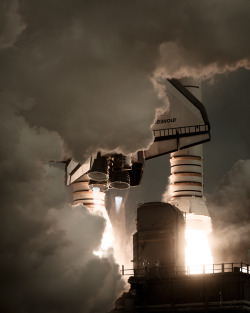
75 77
46 247
230 211
89 66
11 24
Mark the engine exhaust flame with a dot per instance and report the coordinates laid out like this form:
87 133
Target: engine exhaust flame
198 253
118 202
108 237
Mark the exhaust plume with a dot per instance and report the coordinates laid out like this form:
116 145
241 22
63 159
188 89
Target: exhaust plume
230 212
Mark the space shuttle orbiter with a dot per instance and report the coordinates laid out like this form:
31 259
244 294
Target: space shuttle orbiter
185 125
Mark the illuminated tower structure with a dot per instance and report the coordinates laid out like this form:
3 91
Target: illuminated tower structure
160 284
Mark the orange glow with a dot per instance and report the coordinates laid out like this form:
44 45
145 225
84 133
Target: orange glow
198 253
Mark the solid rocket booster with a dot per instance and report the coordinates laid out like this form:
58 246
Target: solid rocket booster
82 194
180 131
186 179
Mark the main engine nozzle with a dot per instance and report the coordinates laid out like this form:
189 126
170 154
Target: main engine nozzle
100 169
120 180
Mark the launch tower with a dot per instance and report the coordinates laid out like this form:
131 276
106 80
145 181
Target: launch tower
160 282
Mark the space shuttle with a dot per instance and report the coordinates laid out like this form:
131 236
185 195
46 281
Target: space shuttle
180 132
185 124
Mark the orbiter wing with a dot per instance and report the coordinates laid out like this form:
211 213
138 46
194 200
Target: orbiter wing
185 124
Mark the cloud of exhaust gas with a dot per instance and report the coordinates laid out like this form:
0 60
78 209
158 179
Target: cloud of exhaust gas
230 212
89 66
11 23
46 246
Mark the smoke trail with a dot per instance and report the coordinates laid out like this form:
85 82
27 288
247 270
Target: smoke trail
230 212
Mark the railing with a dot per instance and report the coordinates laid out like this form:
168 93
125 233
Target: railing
180 131
164 271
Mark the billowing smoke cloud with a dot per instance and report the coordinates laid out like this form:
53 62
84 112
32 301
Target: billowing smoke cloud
88 66
46 246
230 211
11 24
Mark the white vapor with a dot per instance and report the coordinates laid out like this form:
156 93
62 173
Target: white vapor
229 207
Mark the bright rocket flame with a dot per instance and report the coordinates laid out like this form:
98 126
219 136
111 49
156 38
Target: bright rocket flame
198 253
108 237
96 190
118 202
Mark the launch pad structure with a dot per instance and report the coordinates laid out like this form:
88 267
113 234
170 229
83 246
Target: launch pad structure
225 291
168 285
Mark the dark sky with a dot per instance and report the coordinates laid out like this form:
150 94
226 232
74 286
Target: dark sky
78 76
